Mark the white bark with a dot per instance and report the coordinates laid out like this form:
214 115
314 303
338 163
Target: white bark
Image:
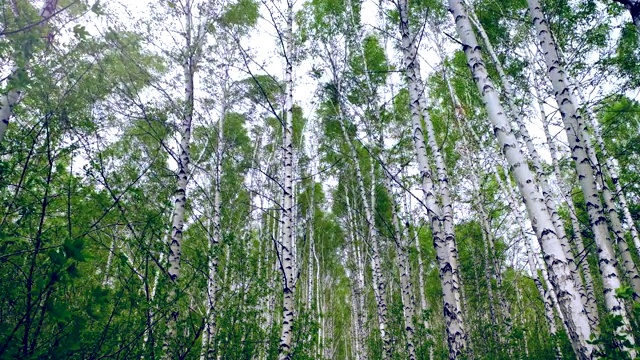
560 274
107 281
517 113
287 255
180 196
576 132
613 169
575 223
421 277
208 351
151 314
629 266
456 334
406 287
376 266
359 285
545 295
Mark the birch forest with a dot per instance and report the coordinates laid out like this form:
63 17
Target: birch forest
320 179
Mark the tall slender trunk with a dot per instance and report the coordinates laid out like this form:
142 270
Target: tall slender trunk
359 285
107 280
318 296
629 266
147 337
208 351
287 255
576 132
11 98
380 285
487 275
612 168
491 264
406 287
545 295
378 277
518 114
575 223
360 275
180 196
443 178
546 298
421 277
311 255
488 238
560 274
454 325
355 297
505 308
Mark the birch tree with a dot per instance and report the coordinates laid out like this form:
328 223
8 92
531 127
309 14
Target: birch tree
287 256
443 241
556 261
574 127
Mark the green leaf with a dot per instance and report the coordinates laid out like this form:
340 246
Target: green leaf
72 270
96 8
57 257
80 32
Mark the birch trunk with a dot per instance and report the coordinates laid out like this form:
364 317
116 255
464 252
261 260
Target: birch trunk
380 290
207 351
575 223
456 334
612 168
107 281
147 337
318 292
441 170
378 277
575 129
546 299
356 291
487 275
11 98
406 288
379 286
517 113
180 196
629 266
560 274
359 283
287 255
545 295
421 278
490 260
311 254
